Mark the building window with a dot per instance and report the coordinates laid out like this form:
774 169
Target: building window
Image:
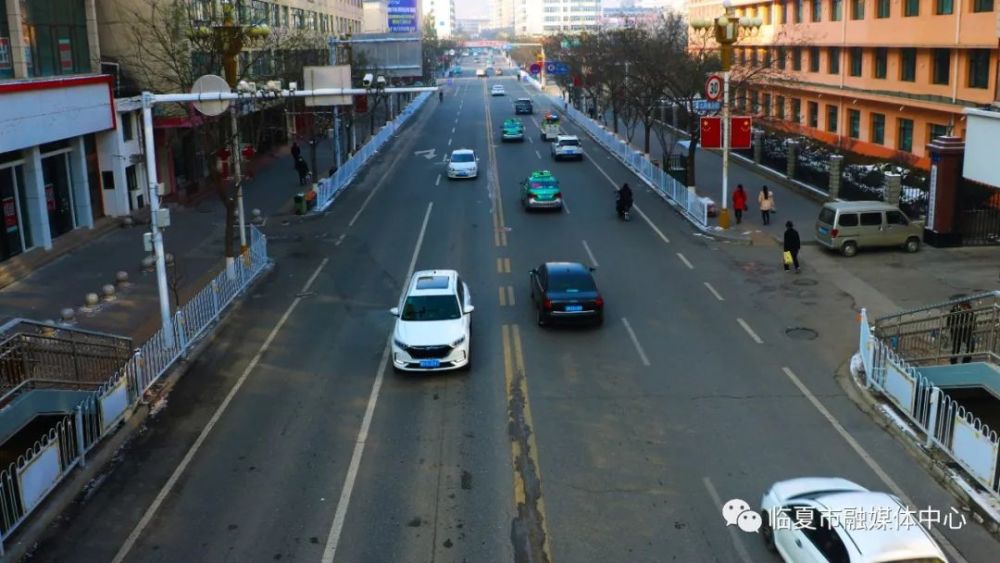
942 66
908 64
856 60
781 58
835 9
878 128
55 33
753 58
982 5
857 9
881 8
935 130
765 14
798 11
817 11
854 123
766 105
944 7
881 62
979 68
784 12
754 101
911 8
743 57
833 64
813 115
905 135
767 57
780 106
831 118
128 133
797 110
796 58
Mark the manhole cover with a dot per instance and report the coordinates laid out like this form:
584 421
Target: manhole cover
805 282
801 333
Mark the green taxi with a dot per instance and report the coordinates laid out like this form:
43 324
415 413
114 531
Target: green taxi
541 191
512 130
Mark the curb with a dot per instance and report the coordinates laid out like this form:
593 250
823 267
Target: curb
24 540
954 482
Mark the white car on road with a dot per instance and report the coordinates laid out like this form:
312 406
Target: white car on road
463 163
830 520
567 146
432 325
498 90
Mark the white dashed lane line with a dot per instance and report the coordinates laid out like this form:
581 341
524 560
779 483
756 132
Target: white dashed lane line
750 331
714 292
438 181
635 342
685 260
590 254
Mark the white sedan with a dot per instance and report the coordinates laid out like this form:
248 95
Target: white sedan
463 163
833 520
498 90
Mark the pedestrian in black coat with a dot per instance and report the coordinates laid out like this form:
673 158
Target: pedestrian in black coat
296 153
792 245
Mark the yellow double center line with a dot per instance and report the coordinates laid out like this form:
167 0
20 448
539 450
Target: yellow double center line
493 178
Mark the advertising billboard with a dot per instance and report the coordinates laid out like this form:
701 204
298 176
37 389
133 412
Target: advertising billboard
403 16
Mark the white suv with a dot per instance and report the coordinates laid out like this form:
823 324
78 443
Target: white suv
463 163
432 329
567 146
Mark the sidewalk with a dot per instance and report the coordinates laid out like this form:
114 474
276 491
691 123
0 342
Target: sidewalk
195 238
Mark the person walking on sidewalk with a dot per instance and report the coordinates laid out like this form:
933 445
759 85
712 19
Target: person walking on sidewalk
296 153
792 245
766 201
739 203
303 169
961 324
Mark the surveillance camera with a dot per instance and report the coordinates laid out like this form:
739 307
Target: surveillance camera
381 81
367 80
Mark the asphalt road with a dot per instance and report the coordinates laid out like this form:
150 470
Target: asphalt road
289 438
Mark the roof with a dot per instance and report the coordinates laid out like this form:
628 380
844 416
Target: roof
861 206
897 539
433 282
804 485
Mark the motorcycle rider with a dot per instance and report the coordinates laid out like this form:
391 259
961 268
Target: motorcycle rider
624 199
440 95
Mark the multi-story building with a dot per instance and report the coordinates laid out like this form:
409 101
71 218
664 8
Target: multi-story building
472 26
376 17
568 16
53 102
876 77
443 14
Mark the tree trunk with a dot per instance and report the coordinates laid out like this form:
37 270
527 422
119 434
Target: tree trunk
614 116
646 132
229 203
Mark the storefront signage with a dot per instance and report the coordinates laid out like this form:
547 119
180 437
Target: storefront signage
66 55
402 15
50 197
10 214
5 60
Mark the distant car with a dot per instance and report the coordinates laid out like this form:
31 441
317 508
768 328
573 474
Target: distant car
523 106
551 116
567 146
498 71
498 90
804 520
541 191
512 130
481 72
565 291
432 325
463 163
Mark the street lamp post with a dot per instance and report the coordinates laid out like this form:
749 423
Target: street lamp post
726 30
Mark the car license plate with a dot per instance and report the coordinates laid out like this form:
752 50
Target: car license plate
574 308
430 363
823 230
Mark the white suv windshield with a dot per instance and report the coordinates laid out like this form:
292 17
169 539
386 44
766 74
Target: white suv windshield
431 308
463 157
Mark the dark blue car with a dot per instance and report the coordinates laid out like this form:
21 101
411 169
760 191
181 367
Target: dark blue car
566 291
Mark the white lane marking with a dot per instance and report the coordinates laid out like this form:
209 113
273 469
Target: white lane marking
733 534
438 181
650 223
634 205
364 205
715 293
538 154
685 260
530 140
750 331
340 239
453 130
339 517
870 461
635 342
590 254
449 141
216 416
564 206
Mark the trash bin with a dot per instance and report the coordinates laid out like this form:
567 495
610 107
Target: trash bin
310 199
300 203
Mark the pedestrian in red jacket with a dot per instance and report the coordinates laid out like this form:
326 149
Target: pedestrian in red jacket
739 203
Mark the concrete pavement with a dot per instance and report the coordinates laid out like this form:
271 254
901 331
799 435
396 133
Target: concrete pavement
610 444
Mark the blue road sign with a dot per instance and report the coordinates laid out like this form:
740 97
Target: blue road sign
705 106
556 67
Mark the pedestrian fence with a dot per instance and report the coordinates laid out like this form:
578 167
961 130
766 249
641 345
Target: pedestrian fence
25 483
946 425
693 206
328 188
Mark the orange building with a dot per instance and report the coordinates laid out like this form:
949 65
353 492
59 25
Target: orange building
876 77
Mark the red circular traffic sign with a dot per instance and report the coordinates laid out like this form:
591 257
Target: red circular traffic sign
535 68
713 88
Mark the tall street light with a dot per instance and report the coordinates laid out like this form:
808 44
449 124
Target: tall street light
726 29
